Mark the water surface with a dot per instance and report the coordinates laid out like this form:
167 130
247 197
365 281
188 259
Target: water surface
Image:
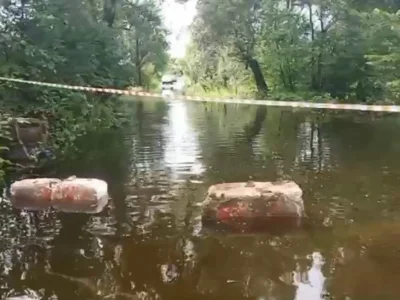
150 244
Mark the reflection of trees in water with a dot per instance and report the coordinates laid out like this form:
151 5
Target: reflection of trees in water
282 139
219 124
313 150
344 148
226 134
254 128
277 137
295 140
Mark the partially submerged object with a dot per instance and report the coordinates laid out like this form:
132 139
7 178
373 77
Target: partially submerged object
29 130
244 204
33 194
80 195
27 134
70 195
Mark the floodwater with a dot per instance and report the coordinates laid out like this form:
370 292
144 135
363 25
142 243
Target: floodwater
150 244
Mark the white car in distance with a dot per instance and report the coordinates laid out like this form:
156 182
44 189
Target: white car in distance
172 85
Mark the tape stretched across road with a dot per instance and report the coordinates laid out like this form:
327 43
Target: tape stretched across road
293 104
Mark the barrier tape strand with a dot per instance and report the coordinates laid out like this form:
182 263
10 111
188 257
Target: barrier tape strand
292 104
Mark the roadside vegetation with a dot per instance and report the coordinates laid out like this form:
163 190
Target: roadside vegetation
98 43
312 50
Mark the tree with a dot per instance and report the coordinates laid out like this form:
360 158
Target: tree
383 53
70 42
214 69
310 47
235 24
284 45
109 11
146 36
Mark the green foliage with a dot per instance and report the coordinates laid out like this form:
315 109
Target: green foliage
384 52
145 36
214 71
5 136
230 30
338 48
97 43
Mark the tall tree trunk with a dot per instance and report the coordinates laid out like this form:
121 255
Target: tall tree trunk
360 91
138 63
281 70
282 75
109 11
225 80
320 49
310 18
258 76
254 128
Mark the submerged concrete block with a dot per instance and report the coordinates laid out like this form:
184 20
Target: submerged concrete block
81 195
230 202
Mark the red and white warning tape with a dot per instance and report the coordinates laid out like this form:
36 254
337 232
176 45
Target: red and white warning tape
293 104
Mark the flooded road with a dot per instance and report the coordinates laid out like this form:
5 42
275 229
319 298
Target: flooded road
150 244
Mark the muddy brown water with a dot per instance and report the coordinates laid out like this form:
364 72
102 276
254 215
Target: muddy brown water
150 244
